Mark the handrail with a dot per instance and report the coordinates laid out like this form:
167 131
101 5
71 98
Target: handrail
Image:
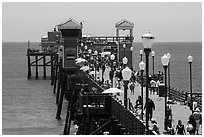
100 128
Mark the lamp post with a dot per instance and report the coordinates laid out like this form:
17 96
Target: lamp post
82 44
142 67
102 58
147 40
131 49
126 73
95 53
190 60
165 62
124 46
169 56
153 54
141 52
112 57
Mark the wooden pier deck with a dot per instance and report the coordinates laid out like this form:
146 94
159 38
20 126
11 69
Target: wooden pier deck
179 111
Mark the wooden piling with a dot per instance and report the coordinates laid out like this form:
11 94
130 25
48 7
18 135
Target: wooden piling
69 115
59 108
59 81
29 67
55 73
36 66
51 58
44 66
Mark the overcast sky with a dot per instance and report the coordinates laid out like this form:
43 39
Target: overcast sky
166 21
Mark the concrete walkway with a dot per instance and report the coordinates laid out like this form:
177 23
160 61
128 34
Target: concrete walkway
180 112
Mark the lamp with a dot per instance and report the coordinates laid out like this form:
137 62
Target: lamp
131 49
142 67
165 61
153 54
169 94
112 57
126 73
190 60
125 60
147 40
124 46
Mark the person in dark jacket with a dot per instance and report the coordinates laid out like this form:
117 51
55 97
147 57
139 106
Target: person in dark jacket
191 122
151 107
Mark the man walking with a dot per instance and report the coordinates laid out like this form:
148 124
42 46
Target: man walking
151 107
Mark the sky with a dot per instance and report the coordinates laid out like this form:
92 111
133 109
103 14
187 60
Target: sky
167 21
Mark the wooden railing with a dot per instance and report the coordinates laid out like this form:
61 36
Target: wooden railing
181 96
128 120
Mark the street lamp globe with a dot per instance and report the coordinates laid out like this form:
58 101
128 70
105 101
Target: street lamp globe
125 60
124 46
82 44
126 73
142 65
147 40
190 59
165 60
141 52
112 57
169 55
153 53
85 47
131 49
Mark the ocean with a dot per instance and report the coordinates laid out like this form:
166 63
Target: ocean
16 87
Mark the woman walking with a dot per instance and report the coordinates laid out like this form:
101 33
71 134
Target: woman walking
180 128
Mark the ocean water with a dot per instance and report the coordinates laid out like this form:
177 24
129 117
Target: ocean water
179 65
17 111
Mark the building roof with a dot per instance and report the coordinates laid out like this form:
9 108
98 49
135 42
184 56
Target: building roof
69 24
124 24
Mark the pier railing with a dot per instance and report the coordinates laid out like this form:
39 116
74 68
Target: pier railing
181 96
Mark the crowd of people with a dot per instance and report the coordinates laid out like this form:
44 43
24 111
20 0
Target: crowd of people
195 120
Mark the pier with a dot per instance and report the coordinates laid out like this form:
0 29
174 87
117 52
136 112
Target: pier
89 111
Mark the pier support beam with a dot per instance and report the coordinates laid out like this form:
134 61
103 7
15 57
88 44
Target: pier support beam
59 108
51 58
29 67
55 73
36 67
44 66
59 81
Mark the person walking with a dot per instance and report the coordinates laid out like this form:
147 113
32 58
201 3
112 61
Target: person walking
198 117
151 107
180 130
191 125
132 87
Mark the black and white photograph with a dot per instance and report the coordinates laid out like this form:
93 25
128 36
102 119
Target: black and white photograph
101 67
